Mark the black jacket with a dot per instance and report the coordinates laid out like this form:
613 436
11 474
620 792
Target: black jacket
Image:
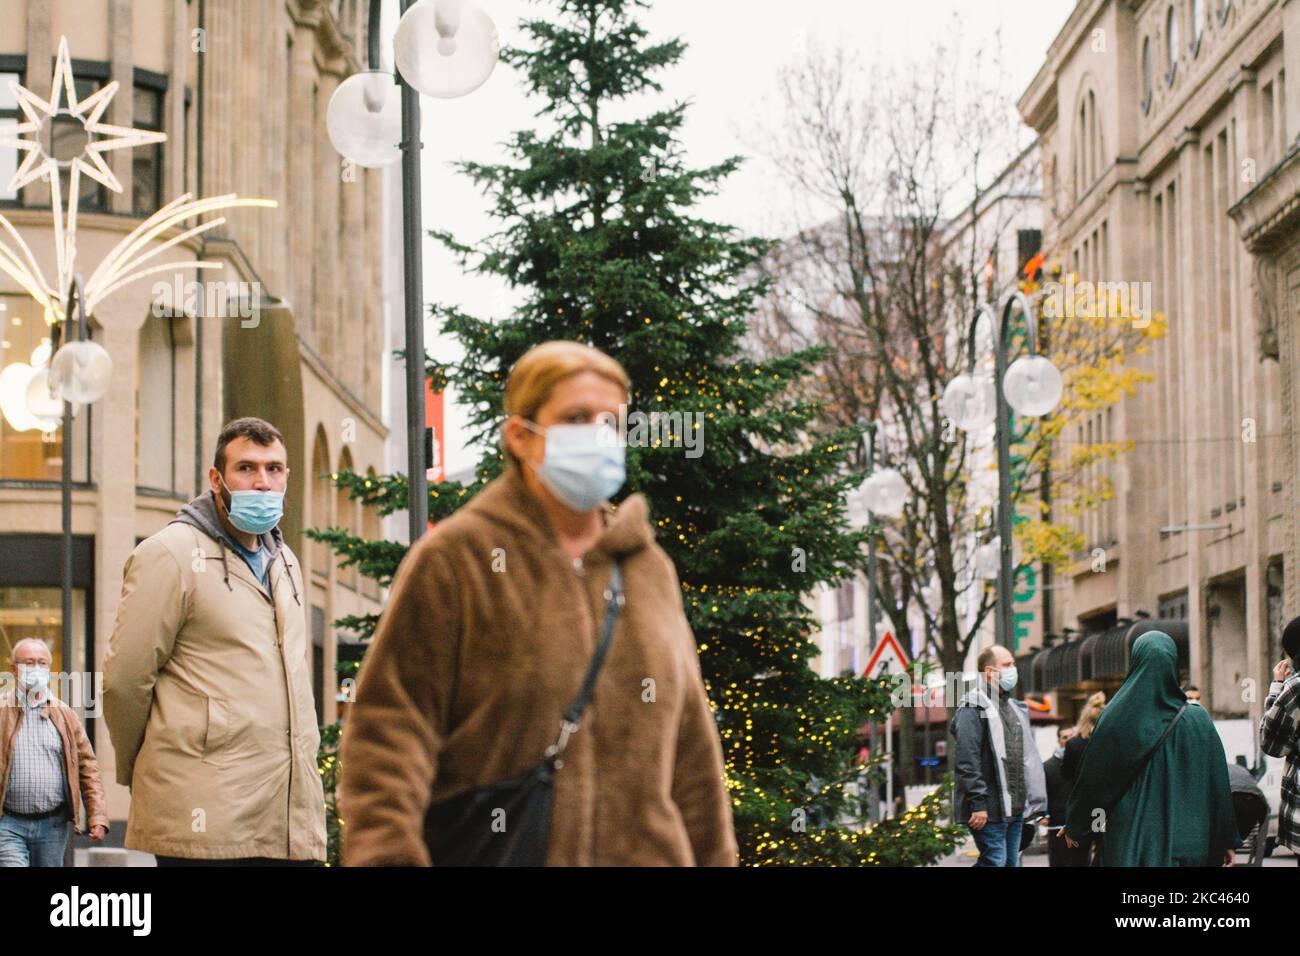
1058 790
1074 748
979 785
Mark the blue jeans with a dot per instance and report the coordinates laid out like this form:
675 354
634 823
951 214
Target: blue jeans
33 842
999 842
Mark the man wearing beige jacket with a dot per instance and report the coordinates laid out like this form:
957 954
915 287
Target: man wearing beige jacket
207 681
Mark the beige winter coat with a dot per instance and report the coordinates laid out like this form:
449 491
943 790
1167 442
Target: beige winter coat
485 640
208 699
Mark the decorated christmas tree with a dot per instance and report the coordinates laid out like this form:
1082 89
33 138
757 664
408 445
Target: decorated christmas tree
598 238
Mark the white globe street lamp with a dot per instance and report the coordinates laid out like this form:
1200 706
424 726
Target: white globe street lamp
364 119
970 401
81 371
446 48
885 493
1033 386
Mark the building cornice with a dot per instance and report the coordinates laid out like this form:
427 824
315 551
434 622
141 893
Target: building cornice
1038 104
1212 87
314 362
1270 212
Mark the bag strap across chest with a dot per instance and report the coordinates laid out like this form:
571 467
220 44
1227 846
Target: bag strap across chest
573 716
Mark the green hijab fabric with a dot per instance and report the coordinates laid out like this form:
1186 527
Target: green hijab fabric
1179 812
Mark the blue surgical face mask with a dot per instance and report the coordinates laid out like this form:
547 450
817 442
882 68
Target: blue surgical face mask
254 512
1009 677
583 464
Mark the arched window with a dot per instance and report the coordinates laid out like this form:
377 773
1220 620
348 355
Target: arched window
1147 74
1088 154
320 503
345 516
1198 24
1171 45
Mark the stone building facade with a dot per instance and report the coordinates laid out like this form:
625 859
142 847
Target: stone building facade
240 87
1168 133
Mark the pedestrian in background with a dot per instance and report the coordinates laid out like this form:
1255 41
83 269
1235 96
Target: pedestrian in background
47 767
999 775
1153 781
207 681
1078 742
1084 854
1279 733
1058 792
494 619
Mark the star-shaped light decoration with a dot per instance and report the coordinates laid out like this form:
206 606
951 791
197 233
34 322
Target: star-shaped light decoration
71 137
63 133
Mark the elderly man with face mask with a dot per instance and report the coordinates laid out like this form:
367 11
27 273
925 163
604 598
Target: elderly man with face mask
47 767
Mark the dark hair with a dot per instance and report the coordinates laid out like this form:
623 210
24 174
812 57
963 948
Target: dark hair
261 432
1291 639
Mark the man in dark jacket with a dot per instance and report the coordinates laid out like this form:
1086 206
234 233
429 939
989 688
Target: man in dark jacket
1058 794
999 773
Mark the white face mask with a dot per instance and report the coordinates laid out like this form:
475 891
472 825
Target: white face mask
33 678
583 464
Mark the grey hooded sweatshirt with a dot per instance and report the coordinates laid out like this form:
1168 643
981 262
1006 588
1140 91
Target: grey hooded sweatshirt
202 514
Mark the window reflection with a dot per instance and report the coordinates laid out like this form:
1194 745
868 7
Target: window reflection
34 455
38 613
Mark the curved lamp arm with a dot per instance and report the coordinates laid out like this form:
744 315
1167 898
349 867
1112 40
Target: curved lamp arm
1031 318
974 320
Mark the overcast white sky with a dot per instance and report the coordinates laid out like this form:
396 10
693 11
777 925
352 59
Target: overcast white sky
734 48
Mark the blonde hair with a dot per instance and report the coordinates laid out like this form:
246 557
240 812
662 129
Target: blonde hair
1091 712
541 368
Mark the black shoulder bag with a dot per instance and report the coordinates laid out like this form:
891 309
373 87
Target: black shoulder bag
1132 779
508 823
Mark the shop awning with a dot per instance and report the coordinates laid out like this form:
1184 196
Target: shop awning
1103 656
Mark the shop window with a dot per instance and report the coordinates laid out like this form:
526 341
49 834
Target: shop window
27 453
147 160
27 612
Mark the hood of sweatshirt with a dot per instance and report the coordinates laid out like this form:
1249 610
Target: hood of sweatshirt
202 514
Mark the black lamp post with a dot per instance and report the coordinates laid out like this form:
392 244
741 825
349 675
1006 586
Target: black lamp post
446 49
1035 389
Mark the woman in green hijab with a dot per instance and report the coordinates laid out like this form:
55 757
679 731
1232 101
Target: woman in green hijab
1177 811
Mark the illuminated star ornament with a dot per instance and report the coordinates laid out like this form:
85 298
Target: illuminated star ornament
60 134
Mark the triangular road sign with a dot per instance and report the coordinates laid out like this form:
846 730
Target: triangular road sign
888 657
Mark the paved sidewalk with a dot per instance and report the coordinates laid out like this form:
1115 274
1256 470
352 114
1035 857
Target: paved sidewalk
966 854
81 857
